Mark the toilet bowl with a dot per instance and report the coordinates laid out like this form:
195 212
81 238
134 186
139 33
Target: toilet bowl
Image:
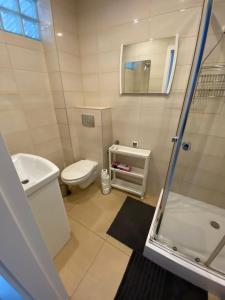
81 173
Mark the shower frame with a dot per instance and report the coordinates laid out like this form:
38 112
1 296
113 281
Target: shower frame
199 274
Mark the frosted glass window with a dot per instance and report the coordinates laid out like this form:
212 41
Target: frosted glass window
31 29
20 17
11 22
9 4
28 8
7 292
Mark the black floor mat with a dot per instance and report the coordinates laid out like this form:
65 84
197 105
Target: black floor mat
145 280
132 223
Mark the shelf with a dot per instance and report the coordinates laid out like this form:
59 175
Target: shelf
127 186
129 151
135 172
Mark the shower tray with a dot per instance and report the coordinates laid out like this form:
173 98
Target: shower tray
177 253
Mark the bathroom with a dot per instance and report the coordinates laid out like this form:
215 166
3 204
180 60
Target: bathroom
63 98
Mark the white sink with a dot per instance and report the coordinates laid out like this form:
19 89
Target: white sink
34 171
39 178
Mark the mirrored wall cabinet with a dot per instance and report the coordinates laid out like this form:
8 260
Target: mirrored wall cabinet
148 67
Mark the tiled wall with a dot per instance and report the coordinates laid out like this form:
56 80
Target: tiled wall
27 117
102 27
92 142
62 55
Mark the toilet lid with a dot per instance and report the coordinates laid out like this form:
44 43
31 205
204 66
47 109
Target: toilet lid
78 170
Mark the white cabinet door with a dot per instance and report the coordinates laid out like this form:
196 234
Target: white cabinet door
24 258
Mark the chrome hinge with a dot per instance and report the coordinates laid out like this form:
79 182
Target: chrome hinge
174 139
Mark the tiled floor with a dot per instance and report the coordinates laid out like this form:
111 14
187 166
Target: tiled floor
92 264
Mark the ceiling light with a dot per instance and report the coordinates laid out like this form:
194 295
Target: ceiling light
59 34
135 21
182 10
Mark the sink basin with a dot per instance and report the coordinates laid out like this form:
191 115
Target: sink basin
34 171
39 178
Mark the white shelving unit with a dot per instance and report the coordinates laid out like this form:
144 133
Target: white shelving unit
140 173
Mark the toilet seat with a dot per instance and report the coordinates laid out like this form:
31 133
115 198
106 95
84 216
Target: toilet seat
78 171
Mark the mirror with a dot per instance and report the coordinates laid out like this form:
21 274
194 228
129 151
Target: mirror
148 67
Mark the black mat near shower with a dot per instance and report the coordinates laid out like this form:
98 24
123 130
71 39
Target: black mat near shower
132 223
143 279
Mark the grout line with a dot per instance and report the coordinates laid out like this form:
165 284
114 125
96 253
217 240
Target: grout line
85 273
86 227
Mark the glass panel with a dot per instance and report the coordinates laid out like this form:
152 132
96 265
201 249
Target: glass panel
31 29
7 292
219 262
28 8
11 22
9 4
193 222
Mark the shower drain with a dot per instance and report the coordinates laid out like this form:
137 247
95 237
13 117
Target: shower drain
25 181
215 225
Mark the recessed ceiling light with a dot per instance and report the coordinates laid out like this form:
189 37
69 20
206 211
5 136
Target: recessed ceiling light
182 10
59 34
135 21
150 40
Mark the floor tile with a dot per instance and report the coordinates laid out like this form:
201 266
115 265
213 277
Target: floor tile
125 249
103 278
96 211
212 297
77 255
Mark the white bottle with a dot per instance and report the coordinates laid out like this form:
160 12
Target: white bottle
105 182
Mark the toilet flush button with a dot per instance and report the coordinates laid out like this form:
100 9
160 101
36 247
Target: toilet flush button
88 120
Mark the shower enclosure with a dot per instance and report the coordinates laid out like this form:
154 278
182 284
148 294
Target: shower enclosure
187 235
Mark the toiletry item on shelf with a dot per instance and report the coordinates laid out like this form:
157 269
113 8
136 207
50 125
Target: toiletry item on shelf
120 166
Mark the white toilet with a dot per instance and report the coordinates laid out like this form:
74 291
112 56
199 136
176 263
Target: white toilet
81 173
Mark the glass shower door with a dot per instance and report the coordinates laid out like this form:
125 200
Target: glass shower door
192 222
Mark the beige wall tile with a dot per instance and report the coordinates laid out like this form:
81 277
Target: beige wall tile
4 56
44 134
7 81
109 61
68 43
71 82
183 22
27 59
19 142
55 80
74 99
69 63
111 14
89 64
20 41
61 115
40 117
58 99
28 81
12 121
90 82
159 7
10 102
